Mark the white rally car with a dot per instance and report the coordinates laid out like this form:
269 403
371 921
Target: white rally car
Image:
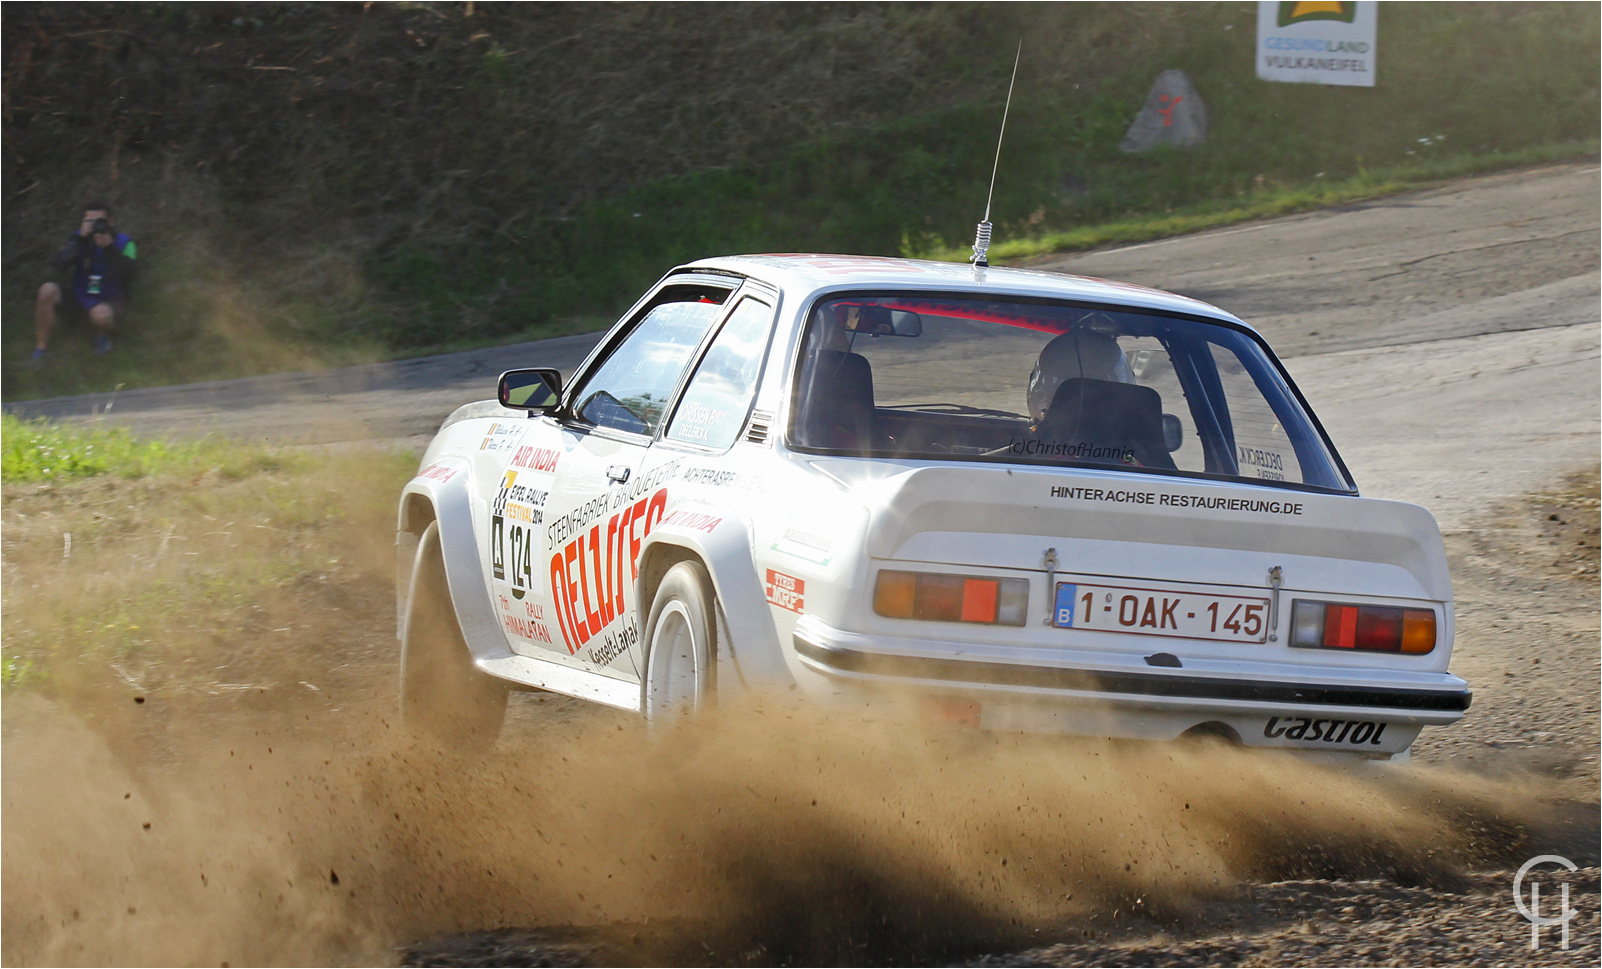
1029 501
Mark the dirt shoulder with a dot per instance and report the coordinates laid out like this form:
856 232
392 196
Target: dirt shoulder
1365 922
1526 586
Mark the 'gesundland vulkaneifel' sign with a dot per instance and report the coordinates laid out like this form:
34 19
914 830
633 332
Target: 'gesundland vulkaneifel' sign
1317 42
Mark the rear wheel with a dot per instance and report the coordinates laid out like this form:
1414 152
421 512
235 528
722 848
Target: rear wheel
443 695
681 643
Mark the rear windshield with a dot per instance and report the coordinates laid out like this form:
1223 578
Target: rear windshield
1054 384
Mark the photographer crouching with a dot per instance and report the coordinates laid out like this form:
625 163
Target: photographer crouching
103 270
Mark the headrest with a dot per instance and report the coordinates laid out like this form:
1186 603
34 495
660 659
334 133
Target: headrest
843 372
1130 402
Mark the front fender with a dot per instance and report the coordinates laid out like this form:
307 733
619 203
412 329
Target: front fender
446 487
724 545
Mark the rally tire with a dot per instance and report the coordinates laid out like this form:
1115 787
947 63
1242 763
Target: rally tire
443 695
681 644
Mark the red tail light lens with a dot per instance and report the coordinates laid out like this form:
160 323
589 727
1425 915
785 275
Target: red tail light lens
939 597
951 598
1375 629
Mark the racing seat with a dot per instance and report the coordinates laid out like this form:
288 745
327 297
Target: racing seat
1108 415
839 410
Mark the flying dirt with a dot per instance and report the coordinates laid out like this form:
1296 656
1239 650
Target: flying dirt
231 784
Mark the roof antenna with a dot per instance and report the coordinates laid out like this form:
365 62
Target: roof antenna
981 239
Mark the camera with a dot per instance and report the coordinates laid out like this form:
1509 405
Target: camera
101 226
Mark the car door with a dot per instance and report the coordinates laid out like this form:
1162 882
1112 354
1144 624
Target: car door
514 467
606 493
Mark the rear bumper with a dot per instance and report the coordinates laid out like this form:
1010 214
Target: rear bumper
1130 702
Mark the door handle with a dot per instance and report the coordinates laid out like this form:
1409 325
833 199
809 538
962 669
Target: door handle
618 473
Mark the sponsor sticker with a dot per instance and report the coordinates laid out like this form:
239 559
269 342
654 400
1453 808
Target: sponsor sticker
530 458
1127 496
588 579
515 514
696 421
525 620
1329 731
805 544
614 644
719 478
693 519
786 591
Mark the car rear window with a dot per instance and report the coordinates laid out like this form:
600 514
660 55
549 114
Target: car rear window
1039 382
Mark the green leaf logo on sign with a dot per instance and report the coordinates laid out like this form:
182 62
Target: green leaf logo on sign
1304 10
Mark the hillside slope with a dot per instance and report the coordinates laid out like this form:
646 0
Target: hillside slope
319 182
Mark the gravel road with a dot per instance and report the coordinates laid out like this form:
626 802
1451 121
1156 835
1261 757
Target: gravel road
1448 338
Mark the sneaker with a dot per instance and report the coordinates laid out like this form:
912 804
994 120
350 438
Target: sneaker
102 344
38 359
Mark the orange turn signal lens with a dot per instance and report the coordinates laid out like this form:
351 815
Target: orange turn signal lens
1418 630
893 595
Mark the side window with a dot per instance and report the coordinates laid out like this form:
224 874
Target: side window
1262 448
1150 366
715 402
629 389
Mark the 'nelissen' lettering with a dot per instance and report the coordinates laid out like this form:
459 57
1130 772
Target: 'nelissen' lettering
587 578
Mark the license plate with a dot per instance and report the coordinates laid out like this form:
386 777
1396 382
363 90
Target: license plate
1160 612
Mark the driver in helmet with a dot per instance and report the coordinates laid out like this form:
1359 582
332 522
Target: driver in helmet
1078 353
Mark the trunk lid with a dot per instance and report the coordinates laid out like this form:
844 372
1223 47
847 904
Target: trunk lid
1130 525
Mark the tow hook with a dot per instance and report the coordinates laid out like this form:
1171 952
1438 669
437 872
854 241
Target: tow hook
1051 584
1275 576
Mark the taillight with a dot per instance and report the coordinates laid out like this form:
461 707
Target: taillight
951 598
1377 629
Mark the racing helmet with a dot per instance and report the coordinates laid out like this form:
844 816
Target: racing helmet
1078 353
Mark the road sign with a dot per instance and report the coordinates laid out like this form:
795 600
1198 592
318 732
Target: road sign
1317 42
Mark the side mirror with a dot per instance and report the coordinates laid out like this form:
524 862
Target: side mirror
531 390
1173 433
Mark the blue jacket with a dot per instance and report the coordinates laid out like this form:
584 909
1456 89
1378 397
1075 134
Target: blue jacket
100 275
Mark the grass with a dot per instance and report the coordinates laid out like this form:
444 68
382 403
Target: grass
1267 203
40 451
162 571
357 235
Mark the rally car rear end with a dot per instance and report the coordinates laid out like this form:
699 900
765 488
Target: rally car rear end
1092 512
1111 607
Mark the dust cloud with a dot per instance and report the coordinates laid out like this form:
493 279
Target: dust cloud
762 833
207 768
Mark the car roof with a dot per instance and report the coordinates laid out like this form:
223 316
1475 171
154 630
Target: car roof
807 273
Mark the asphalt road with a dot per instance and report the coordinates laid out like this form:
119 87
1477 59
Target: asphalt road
1407 269
1498 254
